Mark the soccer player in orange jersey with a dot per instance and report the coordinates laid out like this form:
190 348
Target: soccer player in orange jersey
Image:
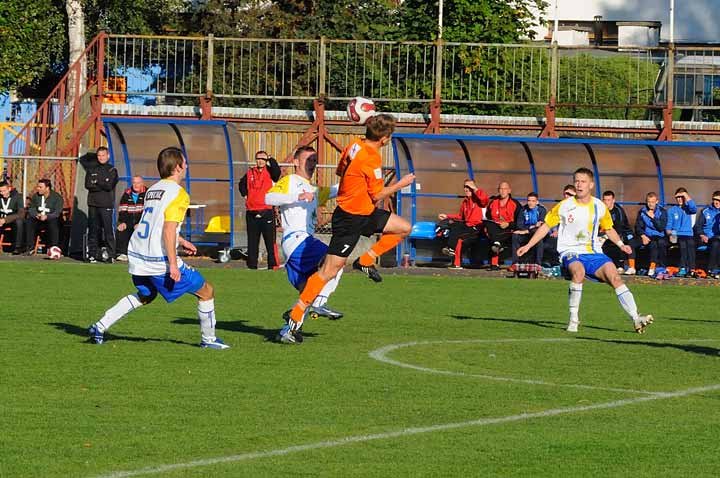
361 187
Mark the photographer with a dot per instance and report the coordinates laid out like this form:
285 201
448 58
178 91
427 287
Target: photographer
259 217
100 181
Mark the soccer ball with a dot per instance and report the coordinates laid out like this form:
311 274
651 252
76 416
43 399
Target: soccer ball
359 109
54 253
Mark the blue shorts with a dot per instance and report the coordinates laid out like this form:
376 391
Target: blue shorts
150 286
591 262
304 261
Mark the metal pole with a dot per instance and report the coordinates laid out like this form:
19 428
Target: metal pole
210 64
440 19
24 193
556 23
672 21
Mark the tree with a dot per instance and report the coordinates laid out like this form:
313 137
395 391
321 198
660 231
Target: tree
31 41
487 21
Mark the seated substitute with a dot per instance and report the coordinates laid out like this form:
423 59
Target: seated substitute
129 214
650 226
466 226
679 229
624 262
12 215
500 222
707 227
529 218
45 210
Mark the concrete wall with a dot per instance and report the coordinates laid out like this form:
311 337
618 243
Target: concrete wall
695 20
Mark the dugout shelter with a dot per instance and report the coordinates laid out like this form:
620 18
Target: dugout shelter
630 168
216 161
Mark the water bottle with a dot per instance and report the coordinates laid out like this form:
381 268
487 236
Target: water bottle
673 236
406 260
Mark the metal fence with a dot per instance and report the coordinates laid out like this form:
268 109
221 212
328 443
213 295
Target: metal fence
168 69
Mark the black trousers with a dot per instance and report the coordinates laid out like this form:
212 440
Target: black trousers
100 219
687 251
536 253
53 227
260 223
658 250
714 254
459 230
619 257
18 228
123 237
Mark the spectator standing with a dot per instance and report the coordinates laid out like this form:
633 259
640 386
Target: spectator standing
45 210
707 227
529 218
679 229
259 216
650 226
100 182
129 214
12 214
624 262
466 226
500 223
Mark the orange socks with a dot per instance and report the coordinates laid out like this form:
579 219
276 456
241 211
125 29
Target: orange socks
494 260
631 263
457 262
312 288
386 242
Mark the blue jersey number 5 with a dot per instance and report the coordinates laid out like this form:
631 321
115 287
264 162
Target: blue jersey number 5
144 230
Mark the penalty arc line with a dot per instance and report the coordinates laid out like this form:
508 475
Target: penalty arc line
408 432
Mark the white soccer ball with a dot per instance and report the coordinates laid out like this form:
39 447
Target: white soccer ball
360 109
54 253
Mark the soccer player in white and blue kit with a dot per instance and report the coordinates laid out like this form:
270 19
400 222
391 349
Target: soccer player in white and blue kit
580 218
152 255
298 200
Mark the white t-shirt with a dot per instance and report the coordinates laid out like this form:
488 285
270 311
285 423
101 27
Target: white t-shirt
164 201
298 217
579 225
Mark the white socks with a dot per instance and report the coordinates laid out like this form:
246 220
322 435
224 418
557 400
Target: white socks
124 306
574 296
627 301
206 315
329 288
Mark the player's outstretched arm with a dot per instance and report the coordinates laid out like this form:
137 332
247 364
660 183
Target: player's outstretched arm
617 240
169 235
388 191
540 233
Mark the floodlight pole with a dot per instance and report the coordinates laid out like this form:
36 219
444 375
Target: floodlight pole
556 23
440 18
672 21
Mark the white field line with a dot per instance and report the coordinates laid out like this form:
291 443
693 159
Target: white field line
406 432
349 440
381 355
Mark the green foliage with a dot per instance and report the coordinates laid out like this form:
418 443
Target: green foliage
140 17
31 41
475 21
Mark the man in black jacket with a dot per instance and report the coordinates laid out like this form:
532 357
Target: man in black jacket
100 181
12 215
129 213
45 210
259 216
624 262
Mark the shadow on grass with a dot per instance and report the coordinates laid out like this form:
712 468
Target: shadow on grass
695 349
546 324
681 319
240 326
82 332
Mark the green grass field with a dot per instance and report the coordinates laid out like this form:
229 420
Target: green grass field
425 376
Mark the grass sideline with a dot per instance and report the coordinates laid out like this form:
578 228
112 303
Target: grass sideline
150 397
